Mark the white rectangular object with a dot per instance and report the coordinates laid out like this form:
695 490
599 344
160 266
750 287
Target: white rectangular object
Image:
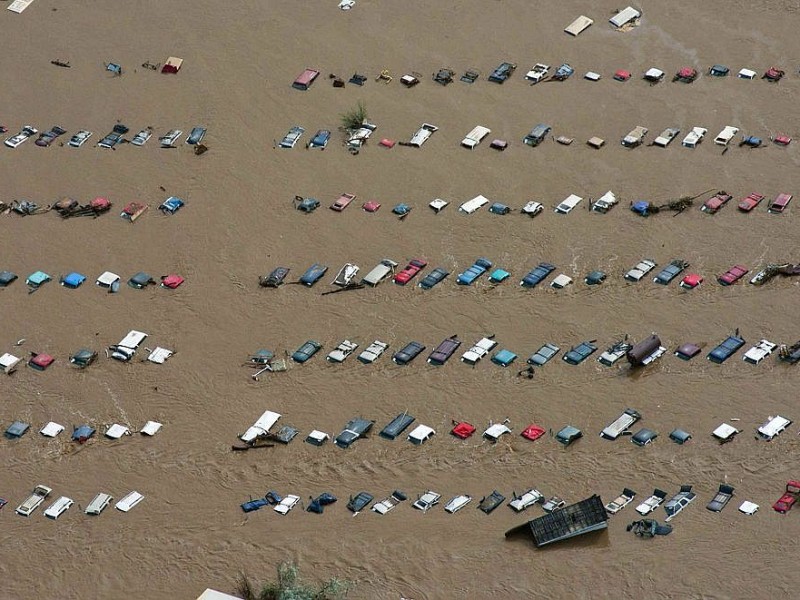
726 135
18 6
568 204
422 134
159 355
129 501
457 503
57 508
9 362
561 281
579 25
151 428
52 429
107 279
261 426
748 508
605 202
470 206
287 504
625 16
759 352
694 137
747 74
438 204
481 348
669 134
98 504
421 434
116 431
592 76
133 339
475 137
773 427
725 432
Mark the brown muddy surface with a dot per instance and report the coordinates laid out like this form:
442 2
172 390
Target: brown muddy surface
240 59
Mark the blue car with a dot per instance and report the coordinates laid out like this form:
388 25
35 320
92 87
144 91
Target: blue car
313 274
726 349
469 276
320 139
579 353
254 505
502 72
306 351
537 275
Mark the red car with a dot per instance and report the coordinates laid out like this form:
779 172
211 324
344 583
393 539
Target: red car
786 502
712 205
782 140
463 430
410 271
732 275
622 75
691 281
780 203
750 202
533 432
371 206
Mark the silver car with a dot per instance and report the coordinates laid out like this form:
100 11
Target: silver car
77 140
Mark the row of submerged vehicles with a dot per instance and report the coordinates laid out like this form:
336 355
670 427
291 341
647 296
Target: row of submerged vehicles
110 140
346 276
638 354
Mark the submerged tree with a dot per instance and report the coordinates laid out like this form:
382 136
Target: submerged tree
355 117
289 587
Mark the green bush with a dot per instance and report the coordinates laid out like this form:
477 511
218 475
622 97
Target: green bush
289 587
354 117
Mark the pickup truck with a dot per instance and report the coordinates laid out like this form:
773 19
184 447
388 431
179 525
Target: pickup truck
40 492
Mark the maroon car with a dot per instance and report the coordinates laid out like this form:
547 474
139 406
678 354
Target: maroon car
787 501
732 275
712 205
48 137
410 271
750 202
780 203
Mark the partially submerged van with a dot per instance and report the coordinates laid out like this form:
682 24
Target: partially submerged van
305 79
621 424
537 135
381 271
98 504
726 135
475 137
568 204
422 134
773 427
635 137
470 206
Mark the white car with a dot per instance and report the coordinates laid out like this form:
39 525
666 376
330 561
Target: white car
27 131
529 498
427 500
495 430
129 501
694 137
287 504
537 73
77 140
40 492
373 352
140 139
759 352
342 351
669 134
168 139
640 270
481 348
99 504
726 135
457 503
532 208
384 506
58 508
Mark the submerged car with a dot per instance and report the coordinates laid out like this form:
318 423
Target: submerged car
577 354
49 136
306 351
113 138
670 272
26 132
354 429
640 270
732 275
77 140
140 139
409 272
427 501
502 72
433 278
543 354
196 136
168 139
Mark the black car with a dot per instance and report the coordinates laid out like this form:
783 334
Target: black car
48 137
275 278
397 426
408 353
643 437
432 278
113 138
503 72
359 502
492 501
537 275
355 428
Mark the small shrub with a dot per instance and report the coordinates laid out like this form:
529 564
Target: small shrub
288 586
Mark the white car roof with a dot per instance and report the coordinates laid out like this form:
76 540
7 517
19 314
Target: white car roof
151 428
421 433
262 425
52 429
129 501
725 431
107 279
496 430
